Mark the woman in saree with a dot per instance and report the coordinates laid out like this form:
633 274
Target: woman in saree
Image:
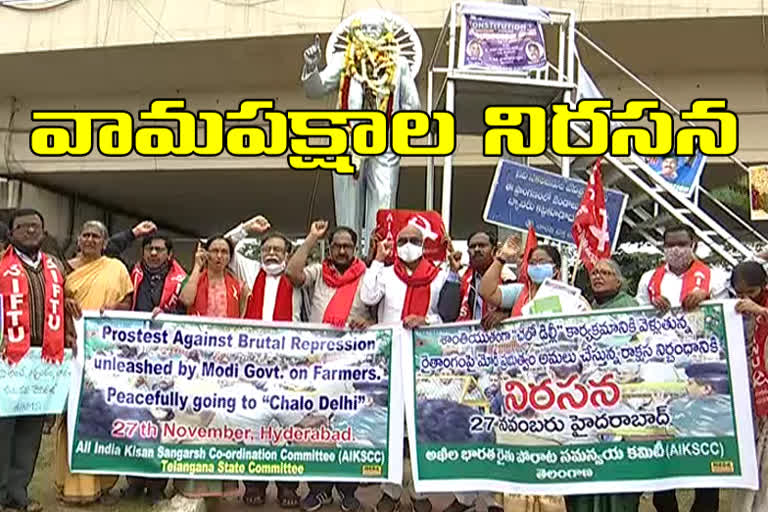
212 290
99 283
607 285
539 264
750 284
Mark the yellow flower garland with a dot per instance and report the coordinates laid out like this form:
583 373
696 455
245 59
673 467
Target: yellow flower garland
373 61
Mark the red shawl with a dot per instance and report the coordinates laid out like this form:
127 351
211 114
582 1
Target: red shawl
171 287
337 310
757 362
466 311
695 278
283 301
418 295
200 306
14 288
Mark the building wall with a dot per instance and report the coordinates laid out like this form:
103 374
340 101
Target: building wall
98 24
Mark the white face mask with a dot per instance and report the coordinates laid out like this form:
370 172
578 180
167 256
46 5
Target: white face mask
409 252
274 269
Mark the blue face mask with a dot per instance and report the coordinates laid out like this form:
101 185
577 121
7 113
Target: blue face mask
538 273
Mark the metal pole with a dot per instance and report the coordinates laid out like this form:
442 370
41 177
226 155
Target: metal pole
430 199
448 164
450 93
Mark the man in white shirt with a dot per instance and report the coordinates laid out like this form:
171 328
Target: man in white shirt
413 292
273 298
410 290
682 281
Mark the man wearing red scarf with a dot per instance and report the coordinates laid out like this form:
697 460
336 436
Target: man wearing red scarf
333 286
681 281
412 292
32 290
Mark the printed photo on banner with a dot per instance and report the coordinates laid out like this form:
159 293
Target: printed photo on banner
621 398
758 192
501 40
235 399
683 172
521 194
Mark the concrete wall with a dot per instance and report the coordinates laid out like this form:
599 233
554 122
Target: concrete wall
96 23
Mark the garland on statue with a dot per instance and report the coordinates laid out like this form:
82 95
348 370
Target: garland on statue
373 61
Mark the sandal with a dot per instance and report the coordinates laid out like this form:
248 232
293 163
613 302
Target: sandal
287 498
255 499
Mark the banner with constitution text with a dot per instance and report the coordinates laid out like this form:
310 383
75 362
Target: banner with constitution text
607 401
235 400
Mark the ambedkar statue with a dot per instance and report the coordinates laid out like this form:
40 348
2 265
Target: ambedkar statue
372 59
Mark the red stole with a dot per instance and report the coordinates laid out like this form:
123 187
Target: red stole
283 311
345 84
171 288
418 294
200 306
695 278
14 288
758 363
337 310
466 311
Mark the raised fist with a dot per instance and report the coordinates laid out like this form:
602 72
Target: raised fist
312 54
258 225
319 228
143 229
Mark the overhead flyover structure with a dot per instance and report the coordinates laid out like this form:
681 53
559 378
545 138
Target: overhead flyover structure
654 202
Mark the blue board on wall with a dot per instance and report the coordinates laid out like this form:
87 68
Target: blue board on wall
521 194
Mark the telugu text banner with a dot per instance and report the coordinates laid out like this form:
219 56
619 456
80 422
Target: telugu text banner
34 386
235 400
607 401
521 194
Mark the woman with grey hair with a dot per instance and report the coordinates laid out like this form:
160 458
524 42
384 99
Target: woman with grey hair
607 286
97 283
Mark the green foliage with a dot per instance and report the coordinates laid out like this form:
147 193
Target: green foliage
735 195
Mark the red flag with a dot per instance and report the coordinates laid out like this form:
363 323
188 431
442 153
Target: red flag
430 223
590 225
530 244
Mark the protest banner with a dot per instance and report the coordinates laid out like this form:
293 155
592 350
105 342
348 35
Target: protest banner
502 38
34 386
235 400
606 401
521 194
683 172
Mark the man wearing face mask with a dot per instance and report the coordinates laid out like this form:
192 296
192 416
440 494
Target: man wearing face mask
273 297
681 281
413 291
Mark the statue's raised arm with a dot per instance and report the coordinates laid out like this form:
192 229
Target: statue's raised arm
372 60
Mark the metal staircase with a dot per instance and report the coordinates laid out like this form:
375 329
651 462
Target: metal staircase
653 202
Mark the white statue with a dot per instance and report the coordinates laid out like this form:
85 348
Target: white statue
372 60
